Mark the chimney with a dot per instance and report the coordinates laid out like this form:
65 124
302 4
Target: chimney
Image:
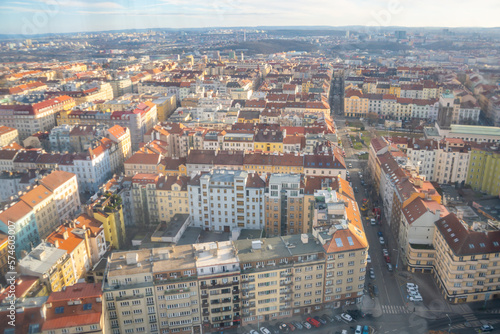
65 235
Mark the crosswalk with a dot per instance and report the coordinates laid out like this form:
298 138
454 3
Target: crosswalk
394 309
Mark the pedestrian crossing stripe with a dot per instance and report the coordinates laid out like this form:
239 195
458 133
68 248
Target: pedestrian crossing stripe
394 309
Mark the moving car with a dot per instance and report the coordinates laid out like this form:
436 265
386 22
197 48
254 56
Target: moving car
486 328
382 241
346 317
372 273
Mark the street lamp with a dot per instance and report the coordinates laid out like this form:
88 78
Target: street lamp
449 324
397 260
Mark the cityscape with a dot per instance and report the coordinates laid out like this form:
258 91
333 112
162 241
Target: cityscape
247 178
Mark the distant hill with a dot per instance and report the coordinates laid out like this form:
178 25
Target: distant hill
271 46
373 46
301 33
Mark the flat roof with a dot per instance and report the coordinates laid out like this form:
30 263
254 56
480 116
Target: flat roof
475 130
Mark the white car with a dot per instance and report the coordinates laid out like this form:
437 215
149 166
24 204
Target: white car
350 165
264 330
411 286
369 259
253 332
382 241
417 298
346 317
306 324
413 292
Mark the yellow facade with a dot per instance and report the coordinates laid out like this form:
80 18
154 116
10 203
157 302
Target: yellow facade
62 275
110 213
181 171
395 90
263 169
268 146
171 202
355 106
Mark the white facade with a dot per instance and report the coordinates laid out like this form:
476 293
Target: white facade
451 165
226 200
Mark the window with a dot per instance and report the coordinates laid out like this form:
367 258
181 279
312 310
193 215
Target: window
87 307
59 310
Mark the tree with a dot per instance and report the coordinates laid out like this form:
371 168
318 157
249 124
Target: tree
372 118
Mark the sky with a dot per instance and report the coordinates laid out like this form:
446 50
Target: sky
25 17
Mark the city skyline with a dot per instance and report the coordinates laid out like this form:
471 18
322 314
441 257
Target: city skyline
26 17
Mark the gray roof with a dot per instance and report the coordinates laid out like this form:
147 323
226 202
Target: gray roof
41 259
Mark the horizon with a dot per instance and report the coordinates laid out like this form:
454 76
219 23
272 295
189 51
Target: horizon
39 17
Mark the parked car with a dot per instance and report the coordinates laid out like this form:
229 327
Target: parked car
382 241
358 329
366 330
373 222
417 298
291 326
368 259
252 331
297 325
380 234
264 330
387 259
346 317
306 325
327 318
355 189
375 290
385 252
338 318
274 329
411 285
313 322
350 165
389 266
372 273
283 327
322 321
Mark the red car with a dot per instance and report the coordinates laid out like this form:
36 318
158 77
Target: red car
387 259
313 322
292 327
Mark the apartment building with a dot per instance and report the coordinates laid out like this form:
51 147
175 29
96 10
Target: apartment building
77 309
284 204
8 136
280 277
144 163
29 119
64 186
108 209
452 161
482 174
41 200
467 260
25 227
224 199
53 266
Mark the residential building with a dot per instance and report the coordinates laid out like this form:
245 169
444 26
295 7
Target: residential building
52 265
41 200
452 161
466 260
8 136
29 119
268 141
108 209
143 163
284 203
223 200
77 309
26 230
64 187
482 173
4 256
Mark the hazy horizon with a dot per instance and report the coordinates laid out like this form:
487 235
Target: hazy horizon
27 17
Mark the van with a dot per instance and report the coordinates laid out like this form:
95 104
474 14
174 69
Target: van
313 322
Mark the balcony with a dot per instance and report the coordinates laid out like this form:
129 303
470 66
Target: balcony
285 291
285 283
286 274
173 291
137 296
236 299
204 304
236 291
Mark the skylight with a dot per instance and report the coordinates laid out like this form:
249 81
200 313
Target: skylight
349 239
338 241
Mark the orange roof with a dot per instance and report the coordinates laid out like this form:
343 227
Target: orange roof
67 240
72 321
56 179
117 131
5 129
15 212
36 196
